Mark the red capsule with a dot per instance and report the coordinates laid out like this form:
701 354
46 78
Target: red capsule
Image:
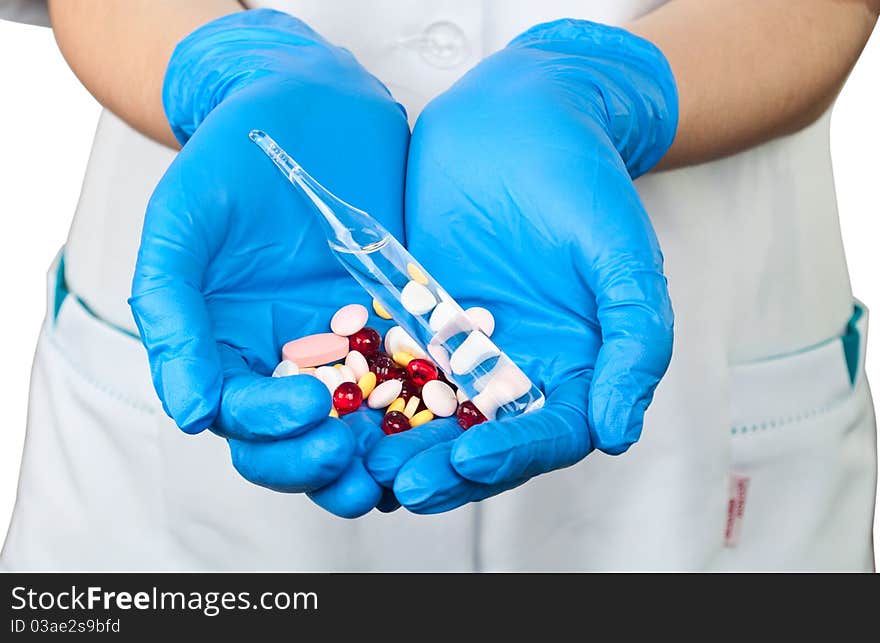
366 341
421 371
395 422
371 359
469 415
347 398
384 367
409 389
398 373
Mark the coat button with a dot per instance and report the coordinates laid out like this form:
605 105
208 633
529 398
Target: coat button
443 45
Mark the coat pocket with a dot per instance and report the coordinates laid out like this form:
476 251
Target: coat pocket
802 459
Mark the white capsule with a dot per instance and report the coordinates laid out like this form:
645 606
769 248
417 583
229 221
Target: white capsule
474 350
356 361
331 377
398 340
384 394
417 299
484 320
439 398
285 368
442 315
347 374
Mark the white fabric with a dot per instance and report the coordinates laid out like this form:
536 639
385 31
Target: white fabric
756 271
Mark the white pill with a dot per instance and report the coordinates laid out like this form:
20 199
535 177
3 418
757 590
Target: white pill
461 396
417 299
484 320
474 350
356 361
443 314
398 340
440 356
439 398
384 394
504 384
331 377
285 369
347 374
349 319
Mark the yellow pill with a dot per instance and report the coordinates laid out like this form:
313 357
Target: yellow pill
402 357
421 417
367 383
334 413
411 405
396 405
380 310
337 366
307 371
416 274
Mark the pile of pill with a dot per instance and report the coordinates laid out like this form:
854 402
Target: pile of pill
351 363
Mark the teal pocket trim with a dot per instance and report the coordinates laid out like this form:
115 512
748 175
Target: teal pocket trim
61 293
852 341
61 290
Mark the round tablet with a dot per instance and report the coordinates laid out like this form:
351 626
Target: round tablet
439 398
315 350
484 320
417 299
349 319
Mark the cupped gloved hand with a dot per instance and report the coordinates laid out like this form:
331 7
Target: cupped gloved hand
520 198
232 262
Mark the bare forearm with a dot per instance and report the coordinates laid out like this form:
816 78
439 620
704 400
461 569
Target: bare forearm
119 50
750 70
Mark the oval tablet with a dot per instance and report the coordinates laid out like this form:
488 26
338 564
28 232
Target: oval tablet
417 299
329 376
285 368
349 319
398 340
356 361
384 394
315 350
439 397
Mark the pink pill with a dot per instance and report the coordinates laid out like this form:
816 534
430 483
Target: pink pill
315 350
349 319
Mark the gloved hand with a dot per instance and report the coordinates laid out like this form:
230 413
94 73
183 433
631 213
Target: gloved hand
520 198
232 262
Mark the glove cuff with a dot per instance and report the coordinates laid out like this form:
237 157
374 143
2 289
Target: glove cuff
226 54
632 76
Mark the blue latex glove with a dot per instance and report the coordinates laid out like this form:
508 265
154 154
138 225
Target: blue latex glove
520 198
232 262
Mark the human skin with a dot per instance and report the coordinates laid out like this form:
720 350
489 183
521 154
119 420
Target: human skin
746 70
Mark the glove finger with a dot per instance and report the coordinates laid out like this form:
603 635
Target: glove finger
553 437
184 364
255 408
365 424
428 484
390 453
636 320
300 464
352 494
170 312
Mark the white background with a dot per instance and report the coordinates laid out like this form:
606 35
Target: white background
48 121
